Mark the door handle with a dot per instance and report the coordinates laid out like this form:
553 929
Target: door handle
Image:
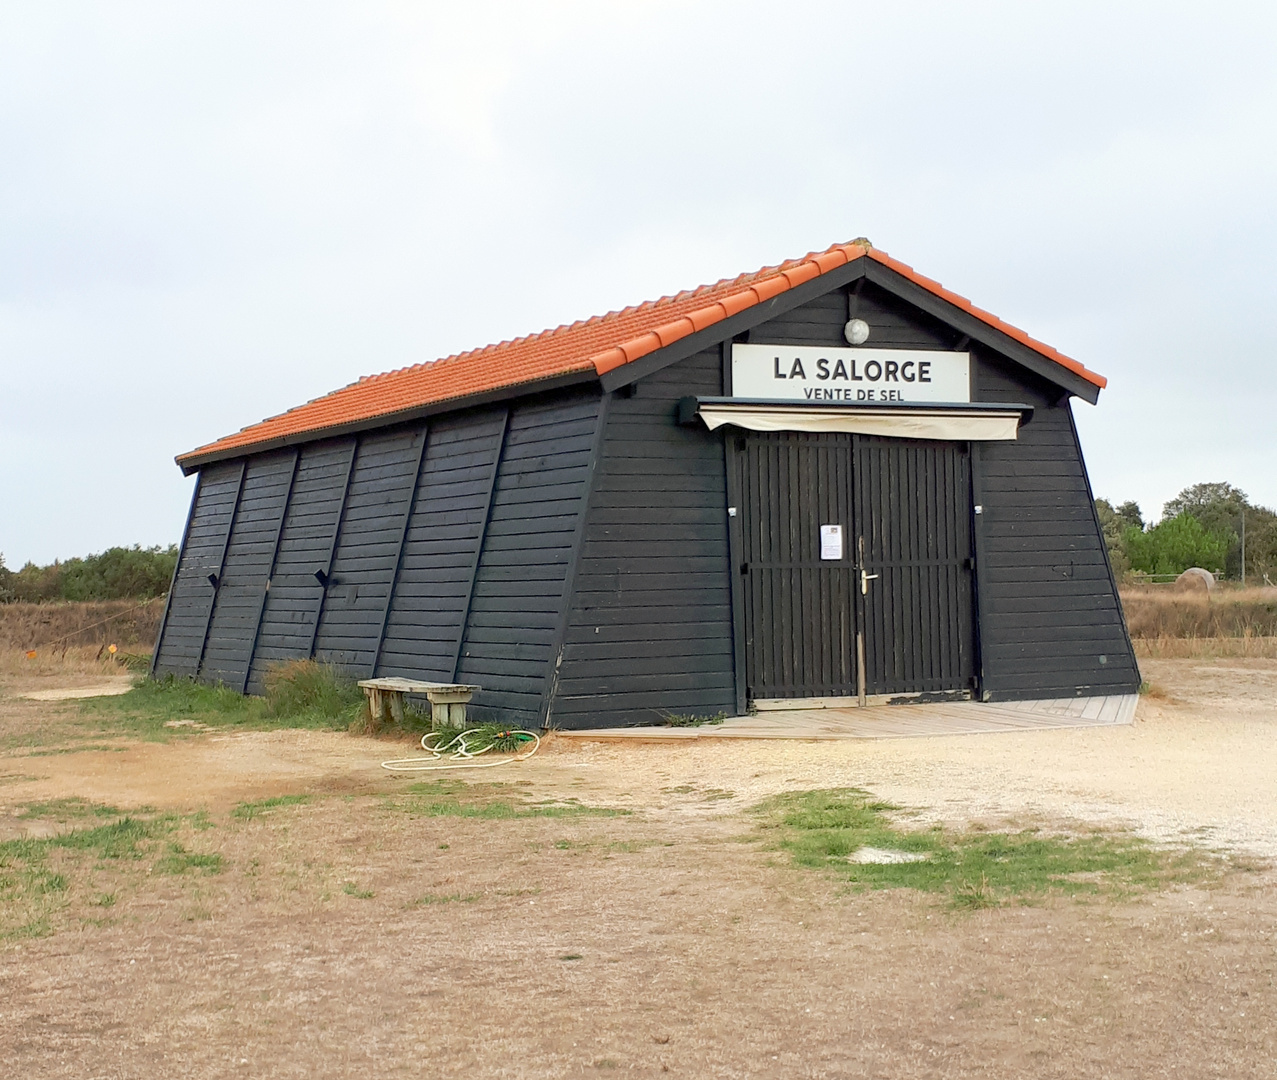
865 579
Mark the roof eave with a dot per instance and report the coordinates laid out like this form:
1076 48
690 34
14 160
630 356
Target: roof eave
197 459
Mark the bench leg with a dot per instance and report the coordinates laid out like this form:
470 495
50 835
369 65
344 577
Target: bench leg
396 705
439 715
447 712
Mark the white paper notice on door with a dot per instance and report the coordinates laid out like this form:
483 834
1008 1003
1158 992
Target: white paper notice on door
831 541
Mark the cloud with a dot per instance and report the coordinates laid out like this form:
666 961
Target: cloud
210 214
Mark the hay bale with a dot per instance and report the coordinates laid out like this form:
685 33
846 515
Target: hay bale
1195 578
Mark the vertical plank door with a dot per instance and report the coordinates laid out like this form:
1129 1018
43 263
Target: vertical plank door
799 609
913 515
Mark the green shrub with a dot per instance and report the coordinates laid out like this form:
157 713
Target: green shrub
119 573
1175 544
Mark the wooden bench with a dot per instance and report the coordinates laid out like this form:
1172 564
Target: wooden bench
447 700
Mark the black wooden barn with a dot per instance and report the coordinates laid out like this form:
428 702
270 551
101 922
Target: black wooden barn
832 479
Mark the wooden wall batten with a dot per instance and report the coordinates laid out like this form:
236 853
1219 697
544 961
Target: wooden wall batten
361 577
168 598
478 548
523 564
261 605
555 661
398 559
327 566
431 592
181 644
649 632
215 578
249 553
289 607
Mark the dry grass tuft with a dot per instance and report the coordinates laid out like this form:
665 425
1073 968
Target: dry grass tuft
1162 613
44 627
76 660
1206 648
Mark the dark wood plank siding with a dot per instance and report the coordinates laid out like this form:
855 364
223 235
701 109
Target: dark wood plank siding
1050 620
510 556
233 626
363 566
428 610
292 602
1049 610
182 642
649 629
518 590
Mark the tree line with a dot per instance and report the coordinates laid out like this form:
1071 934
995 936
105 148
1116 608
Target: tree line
119 573
1201 526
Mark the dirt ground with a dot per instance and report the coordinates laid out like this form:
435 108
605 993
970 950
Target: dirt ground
347 935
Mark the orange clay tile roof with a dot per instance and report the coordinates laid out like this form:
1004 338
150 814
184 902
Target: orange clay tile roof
596 346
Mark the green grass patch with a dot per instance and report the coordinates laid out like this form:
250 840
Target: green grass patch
167 708
43 878
454 798
122 839
68 810
246 811
351 889
972 869
177 860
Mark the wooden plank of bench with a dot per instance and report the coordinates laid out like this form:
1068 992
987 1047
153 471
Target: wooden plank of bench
414 686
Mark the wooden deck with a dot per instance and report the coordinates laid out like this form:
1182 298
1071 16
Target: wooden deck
896 721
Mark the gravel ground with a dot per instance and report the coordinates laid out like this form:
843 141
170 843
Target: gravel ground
1198 763
343 937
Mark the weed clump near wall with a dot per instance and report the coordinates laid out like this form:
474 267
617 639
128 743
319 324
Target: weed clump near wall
310 687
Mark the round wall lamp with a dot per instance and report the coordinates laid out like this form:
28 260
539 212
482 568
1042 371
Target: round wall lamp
856 331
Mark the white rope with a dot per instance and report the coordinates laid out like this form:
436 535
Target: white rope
456 753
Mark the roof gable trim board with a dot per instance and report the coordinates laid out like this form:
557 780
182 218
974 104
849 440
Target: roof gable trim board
1006 339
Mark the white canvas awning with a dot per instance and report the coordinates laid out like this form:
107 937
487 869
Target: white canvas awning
955 423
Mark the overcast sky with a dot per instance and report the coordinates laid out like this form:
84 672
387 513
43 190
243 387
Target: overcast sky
210 213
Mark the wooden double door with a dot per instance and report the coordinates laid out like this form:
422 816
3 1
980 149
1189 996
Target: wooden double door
857 565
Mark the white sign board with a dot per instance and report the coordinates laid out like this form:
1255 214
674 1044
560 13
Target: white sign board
831 541
813 373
